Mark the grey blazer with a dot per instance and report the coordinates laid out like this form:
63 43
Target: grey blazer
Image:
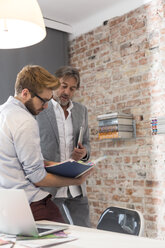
50 137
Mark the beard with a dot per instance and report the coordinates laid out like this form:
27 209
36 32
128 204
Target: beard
63 103
30 106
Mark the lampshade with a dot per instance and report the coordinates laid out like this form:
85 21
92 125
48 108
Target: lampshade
21 23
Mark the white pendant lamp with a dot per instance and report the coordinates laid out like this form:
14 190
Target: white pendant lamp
21 23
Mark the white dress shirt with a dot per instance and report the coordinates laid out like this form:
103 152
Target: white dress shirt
65 129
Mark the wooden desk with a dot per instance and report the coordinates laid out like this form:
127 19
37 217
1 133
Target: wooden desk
93 238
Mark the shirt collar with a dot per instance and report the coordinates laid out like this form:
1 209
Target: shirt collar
56 104
17 102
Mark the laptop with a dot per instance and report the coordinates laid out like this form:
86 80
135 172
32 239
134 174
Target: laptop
16 216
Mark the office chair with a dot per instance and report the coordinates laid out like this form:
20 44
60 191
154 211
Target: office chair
121 220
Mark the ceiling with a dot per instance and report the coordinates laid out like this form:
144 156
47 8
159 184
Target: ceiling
78 16
72 11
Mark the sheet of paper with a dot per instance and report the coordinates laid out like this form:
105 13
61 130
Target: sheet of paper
7 241
45 242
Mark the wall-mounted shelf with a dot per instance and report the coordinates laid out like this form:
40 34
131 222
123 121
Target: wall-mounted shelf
116 126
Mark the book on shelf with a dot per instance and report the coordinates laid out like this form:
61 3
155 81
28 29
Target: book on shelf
115 121
160 130
72 168
160 127
115 135
114 115
162 122
158 121
112 128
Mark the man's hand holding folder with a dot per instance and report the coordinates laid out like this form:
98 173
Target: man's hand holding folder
79 153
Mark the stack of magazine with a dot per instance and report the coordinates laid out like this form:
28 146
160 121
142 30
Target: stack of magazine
115 125
158 125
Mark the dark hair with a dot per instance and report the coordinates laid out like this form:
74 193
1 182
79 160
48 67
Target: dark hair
35 78
68 71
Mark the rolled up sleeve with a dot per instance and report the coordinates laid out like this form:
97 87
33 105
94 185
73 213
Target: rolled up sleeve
27 146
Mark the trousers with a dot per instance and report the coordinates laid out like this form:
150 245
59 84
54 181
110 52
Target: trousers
45 209
74 210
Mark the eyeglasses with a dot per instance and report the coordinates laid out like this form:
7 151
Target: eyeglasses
42 100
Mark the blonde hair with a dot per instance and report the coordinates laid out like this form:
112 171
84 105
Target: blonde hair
35 78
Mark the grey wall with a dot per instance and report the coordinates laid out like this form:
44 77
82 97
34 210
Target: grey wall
50 53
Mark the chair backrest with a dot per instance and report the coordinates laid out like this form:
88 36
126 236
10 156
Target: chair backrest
121 220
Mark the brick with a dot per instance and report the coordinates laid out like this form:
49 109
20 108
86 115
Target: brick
152 183
152 218
143 61
124 30
138 24
152 200
138 183
127 160
132 21
120 198
136 199
129 191
116 21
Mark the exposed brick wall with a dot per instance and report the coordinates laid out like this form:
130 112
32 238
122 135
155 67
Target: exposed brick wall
122 66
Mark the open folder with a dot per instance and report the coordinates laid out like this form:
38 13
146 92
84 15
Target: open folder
72 168
69 168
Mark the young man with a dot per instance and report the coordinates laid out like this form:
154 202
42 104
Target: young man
59 128
21 160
